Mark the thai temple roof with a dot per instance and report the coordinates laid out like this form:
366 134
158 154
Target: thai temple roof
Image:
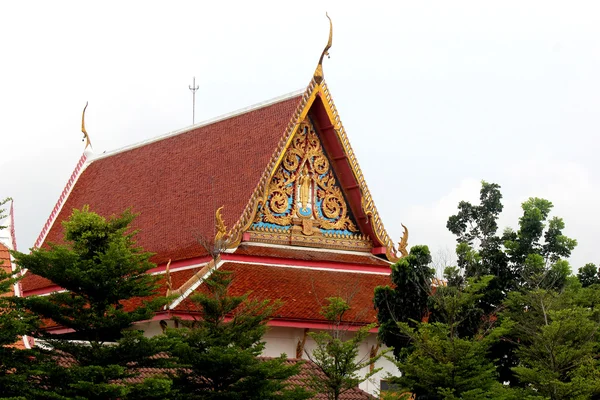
282 175
174 183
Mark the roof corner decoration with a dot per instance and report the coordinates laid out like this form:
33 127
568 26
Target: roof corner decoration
168 281
220 228
69 186
403 243
269 183
318 75
86 137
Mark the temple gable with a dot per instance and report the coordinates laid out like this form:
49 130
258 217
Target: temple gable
303 203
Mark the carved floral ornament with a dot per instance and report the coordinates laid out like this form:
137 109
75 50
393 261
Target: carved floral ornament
303 193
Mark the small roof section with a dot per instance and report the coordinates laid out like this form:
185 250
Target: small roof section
303 290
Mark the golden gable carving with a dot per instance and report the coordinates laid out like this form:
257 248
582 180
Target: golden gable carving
304 192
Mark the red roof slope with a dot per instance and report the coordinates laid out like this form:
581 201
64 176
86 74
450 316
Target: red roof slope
5 259
308 369
304 290
176 183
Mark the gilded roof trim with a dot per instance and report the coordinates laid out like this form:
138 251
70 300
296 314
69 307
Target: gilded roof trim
368 205
258 196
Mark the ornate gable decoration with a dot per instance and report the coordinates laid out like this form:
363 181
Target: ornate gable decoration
303 203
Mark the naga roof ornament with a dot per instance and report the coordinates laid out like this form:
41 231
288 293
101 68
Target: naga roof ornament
220 228
86 137
318 76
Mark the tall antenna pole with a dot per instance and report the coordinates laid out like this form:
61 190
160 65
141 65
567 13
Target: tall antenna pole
193 88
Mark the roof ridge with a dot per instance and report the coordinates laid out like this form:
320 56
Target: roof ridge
219 118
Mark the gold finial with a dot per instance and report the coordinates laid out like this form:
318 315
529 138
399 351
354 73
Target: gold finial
220 226
168 278
86 137
403 243
319 71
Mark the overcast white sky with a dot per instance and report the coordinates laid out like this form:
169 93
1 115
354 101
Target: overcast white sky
435 96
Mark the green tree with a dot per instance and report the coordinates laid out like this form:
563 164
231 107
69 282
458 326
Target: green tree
337 353
588 275
102 272
219 352
3 211
533 256
18 367
557 343
407 300
442 363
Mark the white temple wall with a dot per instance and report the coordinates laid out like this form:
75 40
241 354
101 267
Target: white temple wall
280 340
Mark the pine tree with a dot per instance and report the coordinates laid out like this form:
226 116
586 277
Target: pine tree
18 367
219 352
336 353
101 271
557 342
443 364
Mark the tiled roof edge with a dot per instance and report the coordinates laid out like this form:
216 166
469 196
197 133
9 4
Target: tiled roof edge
61 200
211 121
235 233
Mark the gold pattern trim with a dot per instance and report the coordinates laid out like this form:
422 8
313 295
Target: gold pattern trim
249 213
329 241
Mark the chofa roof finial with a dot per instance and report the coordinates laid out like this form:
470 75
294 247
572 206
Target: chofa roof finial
319 71
220 228
86 137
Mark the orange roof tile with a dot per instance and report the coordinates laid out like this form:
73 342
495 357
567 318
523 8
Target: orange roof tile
4 256
5 263
304 290
176 183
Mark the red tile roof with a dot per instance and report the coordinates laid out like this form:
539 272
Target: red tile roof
308 369
5 264
303 291
309 255
176 183
5 258
34 282
5 261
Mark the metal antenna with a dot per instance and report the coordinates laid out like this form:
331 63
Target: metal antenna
193 88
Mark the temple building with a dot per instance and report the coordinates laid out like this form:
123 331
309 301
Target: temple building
277 193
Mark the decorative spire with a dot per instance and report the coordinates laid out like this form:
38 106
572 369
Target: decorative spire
221 229
168 278
319 71
403 243
86 137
